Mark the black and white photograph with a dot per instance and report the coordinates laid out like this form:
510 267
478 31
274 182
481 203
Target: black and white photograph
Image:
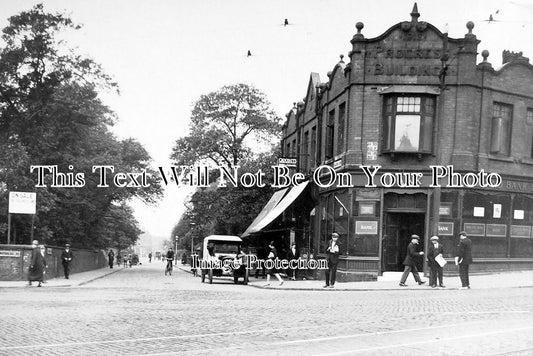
266 177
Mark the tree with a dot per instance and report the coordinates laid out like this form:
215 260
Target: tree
225 124
51 114
230 210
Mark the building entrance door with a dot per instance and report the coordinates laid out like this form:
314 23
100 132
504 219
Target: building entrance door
398 230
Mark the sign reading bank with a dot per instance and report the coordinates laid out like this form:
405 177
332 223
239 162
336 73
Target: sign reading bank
366 227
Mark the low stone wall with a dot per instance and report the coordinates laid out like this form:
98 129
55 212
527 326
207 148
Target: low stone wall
15 260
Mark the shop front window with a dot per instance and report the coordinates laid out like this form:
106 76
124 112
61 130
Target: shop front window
364 239
485 219
521 221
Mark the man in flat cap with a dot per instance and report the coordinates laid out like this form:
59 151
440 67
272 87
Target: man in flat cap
66 258
333 251
410 261
464 259
434 250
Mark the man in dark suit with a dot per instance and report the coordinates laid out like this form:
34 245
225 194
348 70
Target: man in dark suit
464 259
410 261
293 255
66 258
333 252
435 249
111 258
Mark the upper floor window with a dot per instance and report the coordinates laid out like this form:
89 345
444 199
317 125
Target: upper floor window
500 142
312 154
340 130
330 134
305 152
294 152
529 121
408 123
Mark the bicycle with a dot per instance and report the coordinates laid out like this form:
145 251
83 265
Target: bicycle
168 268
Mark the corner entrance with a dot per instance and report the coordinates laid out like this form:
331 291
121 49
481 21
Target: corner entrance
398 230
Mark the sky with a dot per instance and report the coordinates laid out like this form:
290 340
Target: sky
164 54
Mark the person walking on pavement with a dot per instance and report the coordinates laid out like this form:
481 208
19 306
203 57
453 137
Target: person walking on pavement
43 253
37 264
333 252
464 259
435 249
273 256
150 257
410 262
66 259
111 258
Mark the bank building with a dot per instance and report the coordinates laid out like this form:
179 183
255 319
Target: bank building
405 101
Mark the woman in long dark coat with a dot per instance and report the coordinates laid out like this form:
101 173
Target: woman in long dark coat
37 265
273 256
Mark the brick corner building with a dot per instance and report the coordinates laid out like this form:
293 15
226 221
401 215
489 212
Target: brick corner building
407 100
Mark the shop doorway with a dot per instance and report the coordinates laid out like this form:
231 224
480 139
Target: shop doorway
398 230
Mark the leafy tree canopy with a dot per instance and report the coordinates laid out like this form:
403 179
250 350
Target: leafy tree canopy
225 125
51 114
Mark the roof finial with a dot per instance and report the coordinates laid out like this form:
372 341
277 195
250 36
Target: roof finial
414 14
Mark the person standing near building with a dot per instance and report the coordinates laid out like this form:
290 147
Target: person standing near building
410 262
434 250
333 252
464 259
293 255
273 256
66 259
37 264
111 258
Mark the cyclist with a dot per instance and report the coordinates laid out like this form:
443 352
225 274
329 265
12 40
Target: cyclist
170 258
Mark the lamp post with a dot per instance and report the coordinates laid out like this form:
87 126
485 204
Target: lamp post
193 225
176 249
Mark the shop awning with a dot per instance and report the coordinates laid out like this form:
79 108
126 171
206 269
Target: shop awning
277 210
274 200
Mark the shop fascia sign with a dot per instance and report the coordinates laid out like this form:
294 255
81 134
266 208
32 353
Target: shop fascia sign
287 161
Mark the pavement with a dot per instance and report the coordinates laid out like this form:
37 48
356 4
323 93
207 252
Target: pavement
520 279
142 311
75 279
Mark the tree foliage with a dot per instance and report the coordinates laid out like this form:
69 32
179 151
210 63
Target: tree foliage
225 124
228 210
51 114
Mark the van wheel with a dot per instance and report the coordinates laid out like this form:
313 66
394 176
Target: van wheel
235 279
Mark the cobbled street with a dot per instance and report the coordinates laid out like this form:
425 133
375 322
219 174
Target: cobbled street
140 311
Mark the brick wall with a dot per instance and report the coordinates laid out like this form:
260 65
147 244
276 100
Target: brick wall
15 267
